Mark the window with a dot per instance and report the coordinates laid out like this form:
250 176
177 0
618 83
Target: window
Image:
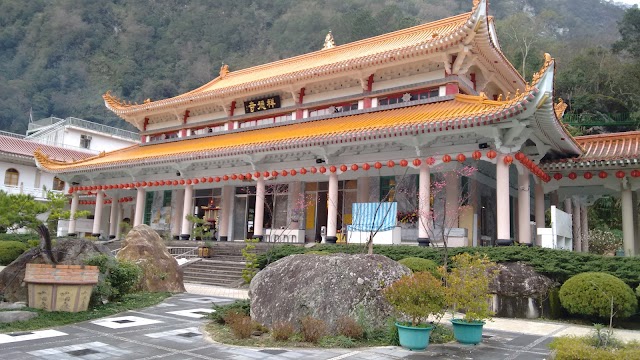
417 95
85 141
11 177
387 188
166 201
334 109
148 204
58 184
266 121
208 129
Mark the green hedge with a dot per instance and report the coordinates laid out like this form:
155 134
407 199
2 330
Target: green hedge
591 293
23 238
10 250
559 265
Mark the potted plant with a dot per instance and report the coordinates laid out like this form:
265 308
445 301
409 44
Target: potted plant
417 296
467 290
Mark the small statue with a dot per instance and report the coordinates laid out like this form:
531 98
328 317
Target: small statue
224 70
329 42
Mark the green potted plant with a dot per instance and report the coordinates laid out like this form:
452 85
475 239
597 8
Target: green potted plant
417 296
467 290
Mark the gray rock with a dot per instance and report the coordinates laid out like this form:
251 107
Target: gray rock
13 316
160 270
10 305
521 280
324 286
65 251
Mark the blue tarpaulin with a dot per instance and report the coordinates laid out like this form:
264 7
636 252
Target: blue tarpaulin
380 216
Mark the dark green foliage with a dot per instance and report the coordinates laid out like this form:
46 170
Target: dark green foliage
24 238
10 250
221 311
557 264
337 341
590 294
417 264
117 278
441 334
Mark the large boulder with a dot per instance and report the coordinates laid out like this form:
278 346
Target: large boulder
160 270
324 286
519 291
65 251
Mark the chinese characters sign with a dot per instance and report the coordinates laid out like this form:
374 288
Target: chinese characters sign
268 103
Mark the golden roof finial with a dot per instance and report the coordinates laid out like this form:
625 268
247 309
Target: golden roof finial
328 41
224 70
499 97
517 92
508 95
147 100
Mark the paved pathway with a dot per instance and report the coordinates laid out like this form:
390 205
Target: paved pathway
173 330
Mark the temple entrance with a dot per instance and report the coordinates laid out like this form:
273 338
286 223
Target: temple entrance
244 210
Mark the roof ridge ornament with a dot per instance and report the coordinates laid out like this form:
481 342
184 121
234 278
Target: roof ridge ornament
224 70
328 41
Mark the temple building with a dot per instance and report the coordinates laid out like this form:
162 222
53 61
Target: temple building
432 118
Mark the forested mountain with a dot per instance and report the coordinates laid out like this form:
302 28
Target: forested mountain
59 57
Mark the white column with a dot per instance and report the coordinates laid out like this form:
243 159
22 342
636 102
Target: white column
176 213
424 204
452 198
258 223
363 189
524 208
97 214
539 209
567 206
113 218
584 219
636 202
225 211
503 211
138 216
628 239
72 217
119 217
187 209
332 218
577 225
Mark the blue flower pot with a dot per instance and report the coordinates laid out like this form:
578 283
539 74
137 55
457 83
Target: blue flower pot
467 332
414 338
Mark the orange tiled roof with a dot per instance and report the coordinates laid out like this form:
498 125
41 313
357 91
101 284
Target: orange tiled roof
462 111
610 146
375 50
22 147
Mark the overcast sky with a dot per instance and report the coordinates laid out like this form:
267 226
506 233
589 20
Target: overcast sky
631 2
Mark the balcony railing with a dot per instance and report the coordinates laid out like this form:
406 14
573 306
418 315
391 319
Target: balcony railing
35 126
37 193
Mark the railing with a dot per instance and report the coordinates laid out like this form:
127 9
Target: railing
183 252
38 193
36 127
10 134
43 123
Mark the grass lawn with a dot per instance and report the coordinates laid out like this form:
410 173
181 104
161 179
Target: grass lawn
47 319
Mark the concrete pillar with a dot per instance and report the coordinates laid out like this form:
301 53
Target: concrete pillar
524 208
363 190
187 209
176 213
452 198
567 206
97 214
120 211
628 238
502 203
113 217
539 209
258 222
138 216
553 199
636 206
332 205
424 205
72 217
225 211
584 219
577 226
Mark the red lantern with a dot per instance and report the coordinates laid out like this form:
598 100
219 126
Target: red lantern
175 182
217 179
391 163
225 178
461 158
557 176
508 159
274 173
210 179
189 182
491 154
70 190
572 176
377 165
354 167
144 183
293 172
446 158
366 166
240 177
332 168
285 173
588 175
430 161
343 168
417 162
476 155
404 163
265 174
313 170
303 171
603 174
635 173
157 183
162 182
620 174
520 156
234 177
248 176
256 174
323 169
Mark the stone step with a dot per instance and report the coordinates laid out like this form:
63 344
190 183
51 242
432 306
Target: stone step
212 282
216 276
208 272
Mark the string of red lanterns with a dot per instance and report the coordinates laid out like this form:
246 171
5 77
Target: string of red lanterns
529 164
588 175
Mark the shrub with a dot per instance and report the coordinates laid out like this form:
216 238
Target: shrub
312 329
23 238
417 264
603 242
572 348
590 294
417 296
392 336
349 327
468 285
240 324
220 311
339 341
117 278
441 334
282 331
10 250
